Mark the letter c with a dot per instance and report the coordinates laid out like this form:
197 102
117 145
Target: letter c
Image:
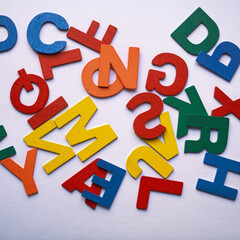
34 28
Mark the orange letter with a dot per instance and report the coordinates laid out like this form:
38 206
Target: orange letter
93 89
109 58
24 174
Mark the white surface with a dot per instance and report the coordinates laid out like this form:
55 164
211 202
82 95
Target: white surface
54 213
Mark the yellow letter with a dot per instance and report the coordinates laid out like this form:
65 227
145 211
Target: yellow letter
78 133
34 140
168 149
150 157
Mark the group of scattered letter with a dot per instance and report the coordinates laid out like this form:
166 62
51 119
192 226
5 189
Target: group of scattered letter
192 114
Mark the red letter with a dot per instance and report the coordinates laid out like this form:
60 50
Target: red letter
154 111
77 181
229 106
148 184
154 76
88 40
25 81
49 61
47 113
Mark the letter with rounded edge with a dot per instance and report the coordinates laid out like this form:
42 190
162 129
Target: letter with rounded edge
25 81
140 121
149 156
168 149
154 76
213 64
206 124
34 28
189 25
92 88
11 40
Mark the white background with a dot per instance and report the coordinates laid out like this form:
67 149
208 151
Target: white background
54 213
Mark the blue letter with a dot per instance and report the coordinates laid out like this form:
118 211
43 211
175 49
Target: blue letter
213 64
12 33
111 187
217 187
34 29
